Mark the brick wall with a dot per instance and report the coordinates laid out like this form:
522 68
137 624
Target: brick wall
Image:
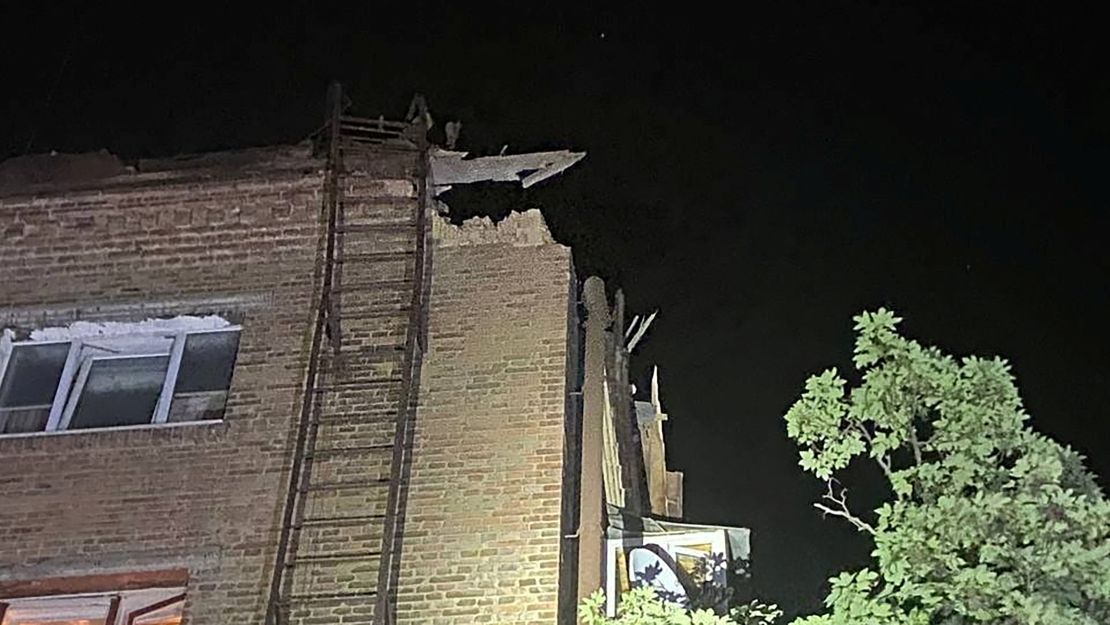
204 496
481 541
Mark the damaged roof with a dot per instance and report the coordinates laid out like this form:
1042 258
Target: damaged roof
39 169
55 172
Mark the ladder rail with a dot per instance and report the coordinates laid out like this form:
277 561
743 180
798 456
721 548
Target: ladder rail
301 466
414 343
319 382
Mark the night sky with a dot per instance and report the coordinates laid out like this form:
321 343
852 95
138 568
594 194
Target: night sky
759 175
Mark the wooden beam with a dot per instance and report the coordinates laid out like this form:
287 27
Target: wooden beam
93 583
154 607
113 611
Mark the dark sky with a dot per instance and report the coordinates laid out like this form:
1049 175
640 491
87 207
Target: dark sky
759 176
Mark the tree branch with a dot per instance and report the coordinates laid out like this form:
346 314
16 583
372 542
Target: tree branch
841 508
915 444
884 461
864 431
884 464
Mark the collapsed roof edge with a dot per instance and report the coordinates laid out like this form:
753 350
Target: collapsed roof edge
451 167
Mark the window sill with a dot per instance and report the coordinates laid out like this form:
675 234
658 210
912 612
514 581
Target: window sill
146 427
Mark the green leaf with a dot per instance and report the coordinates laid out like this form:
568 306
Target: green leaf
987 522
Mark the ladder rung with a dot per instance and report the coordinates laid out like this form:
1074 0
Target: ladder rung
332 557
371 134
389 417
407 146
372 121
358 384
388 349
327 451
370 285
377 313
387 226
345 485
372 257
335 596
359 136
338 520
379 199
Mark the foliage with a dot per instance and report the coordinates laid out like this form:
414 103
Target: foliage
755 612
641 606
987 521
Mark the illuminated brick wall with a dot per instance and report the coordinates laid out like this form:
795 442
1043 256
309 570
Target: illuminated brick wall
481 538
482 533
203 496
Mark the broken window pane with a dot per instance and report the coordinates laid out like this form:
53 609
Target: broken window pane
120 391
32 374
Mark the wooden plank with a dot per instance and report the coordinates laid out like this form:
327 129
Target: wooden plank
93 583
113 611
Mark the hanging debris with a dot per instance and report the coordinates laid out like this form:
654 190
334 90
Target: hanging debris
637 329
451 168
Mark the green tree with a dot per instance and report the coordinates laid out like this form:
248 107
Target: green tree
641 606
987 521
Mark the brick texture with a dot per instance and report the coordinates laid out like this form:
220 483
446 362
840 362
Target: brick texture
204 496
481 536
482 533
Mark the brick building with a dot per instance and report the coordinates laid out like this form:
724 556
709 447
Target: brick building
278 385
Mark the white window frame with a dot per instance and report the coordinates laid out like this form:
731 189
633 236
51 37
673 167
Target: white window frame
161 413
75 372
8 346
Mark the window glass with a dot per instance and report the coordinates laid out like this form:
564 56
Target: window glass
204 377
202 406
120 391
27 390
208 361
121 373
32 374
21 420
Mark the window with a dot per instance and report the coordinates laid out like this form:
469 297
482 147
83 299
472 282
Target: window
149 606
678 562
114 374
27 390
